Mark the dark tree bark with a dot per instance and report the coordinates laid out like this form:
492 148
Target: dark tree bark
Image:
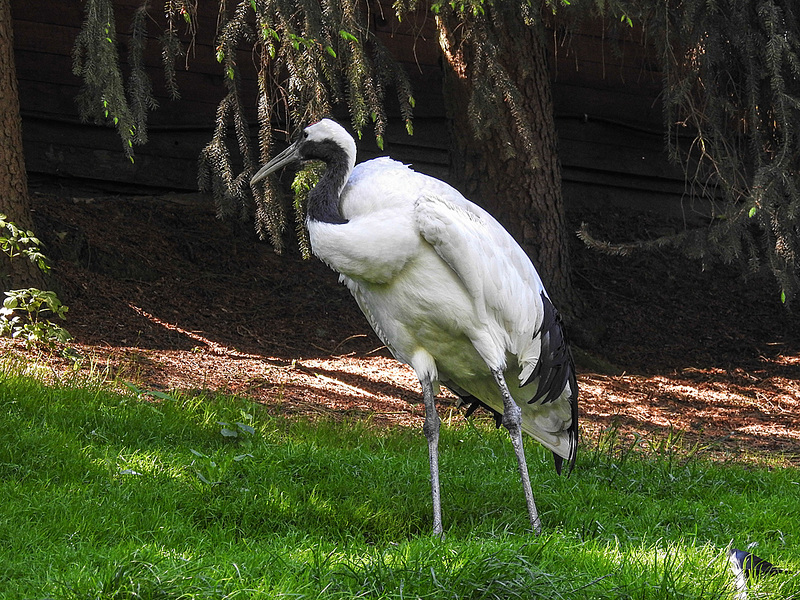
14 202
516 179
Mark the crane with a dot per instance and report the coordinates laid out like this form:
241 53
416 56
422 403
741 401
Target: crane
447 290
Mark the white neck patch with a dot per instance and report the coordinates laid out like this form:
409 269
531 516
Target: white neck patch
329 130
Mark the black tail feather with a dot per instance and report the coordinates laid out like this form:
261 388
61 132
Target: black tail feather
555 367
473 404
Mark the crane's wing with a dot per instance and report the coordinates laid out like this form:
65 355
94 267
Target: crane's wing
504 285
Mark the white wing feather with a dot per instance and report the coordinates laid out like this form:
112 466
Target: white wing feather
505 288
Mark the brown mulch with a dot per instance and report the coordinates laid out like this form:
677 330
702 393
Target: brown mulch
163 294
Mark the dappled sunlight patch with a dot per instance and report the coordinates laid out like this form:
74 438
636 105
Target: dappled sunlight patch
792 360
725 411
715 409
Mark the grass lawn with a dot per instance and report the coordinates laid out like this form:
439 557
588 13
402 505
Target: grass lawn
110 493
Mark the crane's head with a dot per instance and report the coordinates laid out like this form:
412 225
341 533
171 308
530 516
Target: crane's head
325 140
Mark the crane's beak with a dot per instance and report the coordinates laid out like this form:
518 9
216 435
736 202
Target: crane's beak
288 156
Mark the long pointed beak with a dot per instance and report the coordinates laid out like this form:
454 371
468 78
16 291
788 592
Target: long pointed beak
288 156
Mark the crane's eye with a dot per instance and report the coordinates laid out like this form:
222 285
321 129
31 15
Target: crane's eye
305 135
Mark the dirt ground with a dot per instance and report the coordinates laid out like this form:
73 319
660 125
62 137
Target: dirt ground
163 294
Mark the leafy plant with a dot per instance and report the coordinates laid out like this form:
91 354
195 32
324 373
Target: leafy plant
21 316
213 469
18 242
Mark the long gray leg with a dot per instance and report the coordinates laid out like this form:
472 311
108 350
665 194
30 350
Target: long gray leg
512 420
431 430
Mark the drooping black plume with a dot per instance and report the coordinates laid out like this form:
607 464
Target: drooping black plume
555 366
554 370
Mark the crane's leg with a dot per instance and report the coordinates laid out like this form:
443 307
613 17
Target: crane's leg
431 430
512 420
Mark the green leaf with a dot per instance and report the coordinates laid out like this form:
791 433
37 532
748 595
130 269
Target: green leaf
752 212
132 387
246 428
159 395
202 478
347 36
783 296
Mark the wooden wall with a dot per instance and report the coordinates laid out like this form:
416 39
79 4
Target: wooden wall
605 93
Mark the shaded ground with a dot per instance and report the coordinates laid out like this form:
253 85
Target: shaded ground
163 294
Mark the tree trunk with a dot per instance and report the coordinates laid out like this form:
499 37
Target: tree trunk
20 272
514 176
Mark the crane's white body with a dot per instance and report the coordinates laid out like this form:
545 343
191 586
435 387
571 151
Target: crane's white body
445 287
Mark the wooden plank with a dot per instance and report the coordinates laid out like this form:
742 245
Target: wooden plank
41 99
411 48
58 39
85 151
618 105
616 149
106 165
589 79
595 38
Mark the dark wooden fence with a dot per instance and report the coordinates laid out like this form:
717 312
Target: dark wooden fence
605 91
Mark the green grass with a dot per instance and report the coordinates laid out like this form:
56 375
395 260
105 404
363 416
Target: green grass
106 494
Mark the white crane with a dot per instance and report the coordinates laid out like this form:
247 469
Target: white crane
448 291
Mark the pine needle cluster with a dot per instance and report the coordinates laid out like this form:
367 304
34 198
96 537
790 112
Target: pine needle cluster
731 73
473 34
104 97
313 57
95 59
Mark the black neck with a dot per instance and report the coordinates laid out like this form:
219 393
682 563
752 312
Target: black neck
323 200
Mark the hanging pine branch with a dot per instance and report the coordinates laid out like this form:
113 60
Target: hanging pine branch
140 88
103 98
732 80
95 59
468 42
312 55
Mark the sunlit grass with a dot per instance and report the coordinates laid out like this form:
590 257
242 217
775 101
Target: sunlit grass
109 493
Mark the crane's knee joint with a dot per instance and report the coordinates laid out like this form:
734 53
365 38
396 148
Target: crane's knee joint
512 416
431 425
